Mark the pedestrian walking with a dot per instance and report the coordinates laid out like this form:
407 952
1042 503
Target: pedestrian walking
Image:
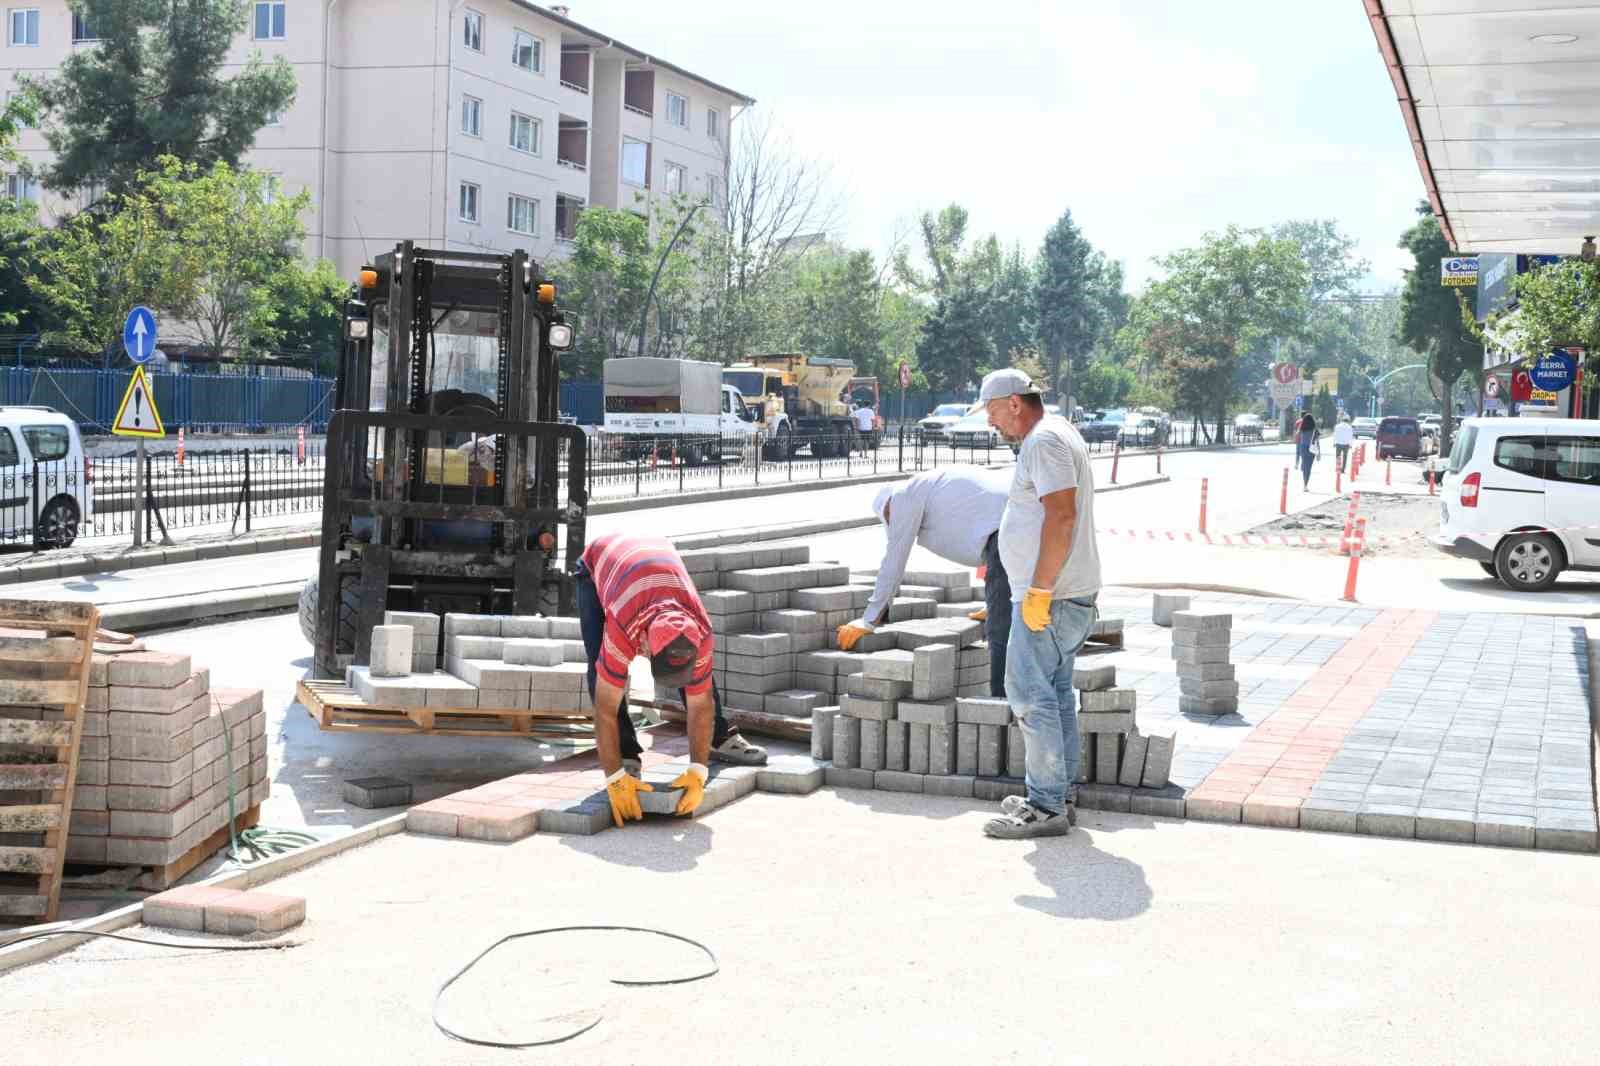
863 418
1308 447
1344 435
1047 543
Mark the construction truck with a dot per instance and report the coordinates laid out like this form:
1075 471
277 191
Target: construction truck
679 408
798 401
450 484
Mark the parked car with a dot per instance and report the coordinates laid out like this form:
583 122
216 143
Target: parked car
936 424
1519 497
1400 437
45 492
1365 427
974 431
1247 427
1104 426
1141 432
1430 425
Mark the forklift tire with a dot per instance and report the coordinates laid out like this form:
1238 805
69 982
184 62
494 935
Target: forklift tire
350 607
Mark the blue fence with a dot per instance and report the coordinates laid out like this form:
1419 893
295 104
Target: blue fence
190 400
585 400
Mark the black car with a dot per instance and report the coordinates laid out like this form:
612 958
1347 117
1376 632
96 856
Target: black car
1104 427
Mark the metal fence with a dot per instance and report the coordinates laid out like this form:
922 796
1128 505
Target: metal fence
194 400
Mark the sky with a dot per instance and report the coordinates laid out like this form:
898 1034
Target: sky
1152 121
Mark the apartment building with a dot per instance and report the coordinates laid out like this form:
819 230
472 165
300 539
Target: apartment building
465 124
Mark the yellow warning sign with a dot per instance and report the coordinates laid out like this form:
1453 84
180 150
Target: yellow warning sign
138 417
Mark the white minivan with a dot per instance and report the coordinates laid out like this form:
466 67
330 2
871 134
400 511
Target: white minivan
45 490
1521 498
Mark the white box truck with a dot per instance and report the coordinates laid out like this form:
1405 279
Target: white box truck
667 405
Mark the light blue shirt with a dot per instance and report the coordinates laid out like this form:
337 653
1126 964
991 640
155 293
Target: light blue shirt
950 512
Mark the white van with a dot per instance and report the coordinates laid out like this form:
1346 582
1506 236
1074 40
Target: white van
1521 498
45 490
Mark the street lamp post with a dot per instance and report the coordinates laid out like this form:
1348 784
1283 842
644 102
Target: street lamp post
644 315
1375 382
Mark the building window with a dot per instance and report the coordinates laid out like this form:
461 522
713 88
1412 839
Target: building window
677 178
20 188
472 116
522 215
636 162
568 208
678 110
83 29
270 184
525 133
713 124
275 119
711 190
21 119
23 27
472 30
469 202
527 52
270 21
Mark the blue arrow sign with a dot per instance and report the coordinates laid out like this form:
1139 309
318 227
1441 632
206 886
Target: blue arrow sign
1553 371
139 335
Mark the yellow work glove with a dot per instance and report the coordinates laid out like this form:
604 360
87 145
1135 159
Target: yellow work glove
623 789
1036 609
693 783
980 615
851 632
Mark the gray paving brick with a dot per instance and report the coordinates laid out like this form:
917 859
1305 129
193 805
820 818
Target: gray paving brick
1214 708
942 749
934 671
898 781
1504 830
927 713
1085 757
1325 815
790 774
991 750
1164 604
867 710
1439 823
1209 690
1109 700
876 688
1101 723
1167 802
872 744
894 746
966 749
1016 753
1157 770
846 742
1104 797
1133 756
1204 654
1094 678
848 777
1206 672
1107 758
949 785
916 747
893 665
987 712
994 788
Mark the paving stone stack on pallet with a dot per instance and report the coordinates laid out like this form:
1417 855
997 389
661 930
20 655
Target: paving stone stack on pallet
153 766
1202 647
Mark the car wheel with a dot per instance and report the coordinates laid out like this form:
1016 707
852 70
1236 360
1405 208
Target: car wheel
1528 562
1488 568
58 524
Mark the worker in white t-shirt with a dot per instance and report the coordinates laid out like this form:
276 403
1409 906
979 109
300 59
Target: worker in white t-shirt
863 417
1344 435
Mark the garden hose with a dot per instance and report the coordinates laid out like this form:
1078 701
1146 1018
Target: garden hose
263 842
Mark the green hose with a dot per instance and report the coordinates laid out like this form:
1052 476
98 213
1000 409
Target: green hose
263 842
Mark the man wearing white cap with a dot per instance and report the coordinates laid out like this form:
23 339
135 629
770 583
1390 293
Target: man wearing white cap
954 513
1047 543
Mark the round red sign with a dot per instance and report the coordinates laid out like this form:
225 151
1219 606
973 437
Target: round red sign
1285 373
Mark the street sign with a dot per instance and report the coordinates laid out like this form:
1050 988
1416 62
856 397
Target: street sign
139 334
1553 371
1491 388
905 376
137 416
1458 271
1285 383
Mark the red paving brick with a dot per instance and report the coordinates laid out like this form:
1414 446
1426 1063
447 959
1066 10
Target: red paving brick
1272 771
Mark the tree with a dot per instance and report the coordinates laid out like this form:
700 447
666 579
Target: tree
838 312
153 87
1328 335
1217 301
1104 384
1557 305
1013 319
308 312
955 339
1326 410
1431 317
1070 303
19 227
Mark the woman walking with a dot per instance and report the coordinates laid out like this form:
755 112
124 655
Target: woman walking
1307 447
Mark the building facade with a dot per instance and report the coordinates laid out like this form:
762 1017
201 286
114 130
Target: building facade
461 124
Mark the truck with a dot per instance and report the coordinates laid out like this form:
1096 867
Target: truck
451 483
674 406
798 401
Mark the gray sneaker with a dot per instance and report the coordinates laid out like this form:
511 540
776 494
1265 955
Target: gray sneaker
1013 804
739 751
1028 821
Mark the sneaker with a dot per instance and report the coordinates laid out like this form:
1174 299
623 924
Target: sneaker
1028 821
1013 804
739 751
633 767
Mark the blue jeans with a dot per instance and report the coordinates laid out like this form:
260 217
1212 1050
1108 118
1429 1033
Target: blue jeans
997 629
1039 687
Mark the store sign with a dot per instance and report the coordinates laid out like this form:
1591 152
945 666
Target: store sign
1458 271
1553 371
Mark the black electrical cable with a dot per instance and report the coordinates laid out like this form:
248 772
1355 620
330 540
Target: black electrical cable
452 1034
153 943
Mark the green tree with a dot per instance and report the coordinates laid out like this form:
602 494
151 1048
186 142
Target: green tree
1013 319
1558 305
955 339
1431 317
1327 337
1104 384
1326 409
1072 316
19 226
154 87
1216 302
838 312
308 312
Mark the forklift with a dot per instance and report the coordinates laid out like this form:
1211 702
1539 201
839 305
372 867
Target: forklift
445 452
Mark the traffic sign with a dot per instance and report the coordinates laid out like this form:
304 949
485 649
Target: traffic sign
1491 388
137 416
139 334
1553 371
1285 383
905 376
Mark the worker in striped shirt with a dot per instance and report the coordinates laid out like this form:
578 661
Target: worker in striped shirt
636 598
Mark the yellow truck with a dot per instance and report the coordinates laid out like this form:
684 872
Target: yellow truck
799 401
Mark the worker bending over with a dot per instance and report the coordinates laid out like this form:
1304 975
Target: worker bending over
954 513
636 598
1046 538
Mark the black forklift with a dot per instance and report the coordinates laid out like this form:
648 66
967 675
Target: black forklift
445 454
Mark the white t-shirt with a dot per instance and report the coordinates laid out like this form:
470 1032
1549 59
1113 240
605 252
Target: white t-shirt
863 417
1053 458
1344 434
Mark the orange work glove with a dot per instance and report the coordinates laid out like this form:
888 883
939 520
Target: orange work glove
623 789
851 632
693 783
980 615
1036 609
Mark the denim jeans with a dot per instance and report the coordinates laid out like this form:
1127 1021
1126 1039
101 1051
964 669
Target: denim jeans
997 598
592 621
1039 687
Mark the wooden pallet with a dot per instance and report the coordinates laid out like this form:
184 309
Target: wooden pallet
45 650
337 708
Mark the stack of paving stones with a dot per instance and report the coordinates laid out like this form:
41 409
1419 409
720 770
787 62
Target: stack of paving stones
1202 649
153 763
1116 762
492 663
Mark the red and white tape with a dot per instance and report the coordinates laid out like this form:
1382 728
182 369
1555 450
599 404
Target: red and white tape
1287 540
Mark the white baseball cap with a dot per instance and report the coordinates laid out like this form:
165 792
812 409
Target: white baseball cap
1007 382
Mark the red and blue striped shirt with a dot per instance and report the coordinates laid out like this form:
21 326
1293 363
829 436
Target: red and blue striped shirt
635 578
